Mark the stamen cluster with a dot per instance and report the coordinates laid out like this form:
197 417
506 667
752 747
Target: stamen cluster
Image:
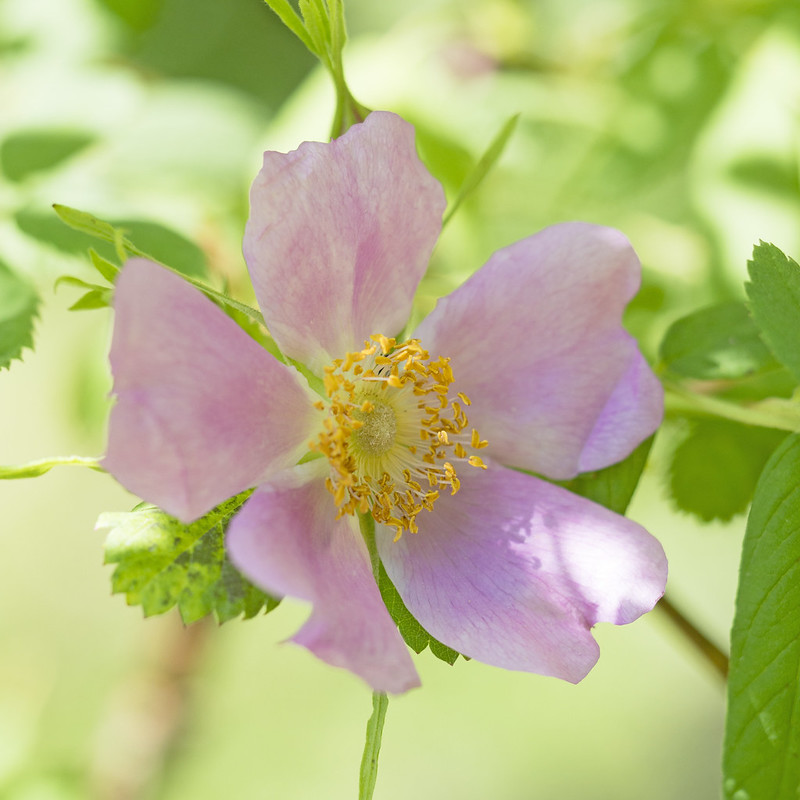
395 431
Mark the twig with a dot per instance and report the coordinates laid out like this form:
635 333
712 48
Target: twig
718 660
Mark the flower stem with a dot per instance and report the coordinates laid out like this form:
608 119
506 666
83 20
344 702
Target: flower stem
713 655
380 702
366 522
773 412
372 747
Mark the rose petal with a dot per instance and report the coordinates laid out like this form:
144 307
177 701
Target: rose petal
202 411
637 400
339 236
514 571
536 342
287 540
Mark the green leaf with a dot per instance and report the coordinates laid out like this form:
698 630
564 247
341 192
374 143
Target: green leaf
167 245
774 292
715 469
108 270
768 174
613 487
481 169
18 308
36 468
152 240
761 755
718 342
162 563
414 635
24 154
289 18
87 223
96 298
316 24
140 16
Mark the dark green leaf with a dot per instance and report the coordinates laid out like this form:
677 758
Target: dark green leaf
415 636
165 245
613 487
714 470
162 563
18 308
774 292
151 239
81 221
769 174
23 154
761 757
139 15
720 341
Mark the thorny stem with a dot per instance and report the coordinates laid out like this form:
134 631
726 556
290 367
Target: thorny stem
713 655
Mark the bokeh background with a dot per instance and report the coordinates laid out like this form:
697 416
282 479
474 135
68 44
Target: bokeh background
676 121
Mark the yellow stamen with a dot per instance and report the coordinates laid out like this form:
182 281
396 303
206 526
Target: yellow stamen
394 426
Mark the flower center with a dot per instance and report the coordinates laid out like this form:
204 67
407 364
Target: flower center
378 429
395 432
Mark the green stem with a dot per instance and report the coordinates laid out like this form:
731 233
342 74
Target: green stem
380 702
35 468
774 412
372 747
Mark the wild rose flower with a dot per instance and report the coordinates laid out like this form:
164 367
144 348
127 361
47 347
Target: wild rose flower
525 365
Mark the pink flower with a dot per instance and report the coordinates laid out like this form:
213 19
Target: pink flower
525 365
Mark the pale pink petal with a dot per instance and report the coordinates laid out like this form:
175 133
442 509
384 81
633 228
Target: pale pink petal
202 411
514 571
339 236
637 400
287 540
536 342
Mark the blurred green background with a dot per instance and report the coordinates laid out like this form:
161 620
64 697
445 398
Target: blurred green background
674 121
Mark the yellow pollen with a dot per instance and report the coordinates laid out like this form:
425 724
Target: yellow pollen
395 434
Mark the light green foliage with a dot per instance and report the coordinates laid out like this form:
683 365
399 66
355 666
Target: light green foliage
320 26
96 297
163 563
717 342
613 487
762 738
87 223
414 635
30 152
774 292
18 309
715 468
